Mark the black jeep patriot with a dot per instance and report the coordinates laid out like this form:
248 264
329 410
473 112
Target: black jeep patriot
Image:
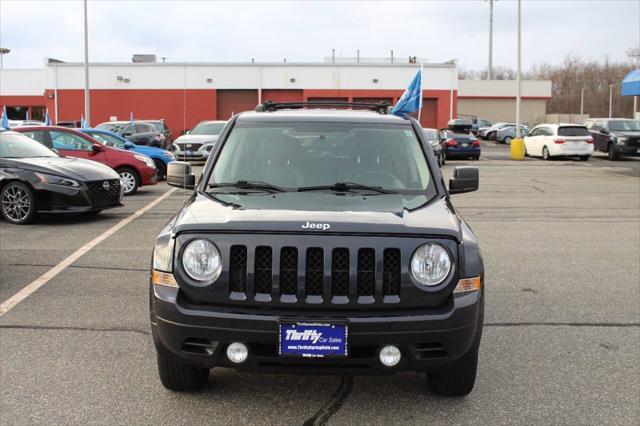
319 241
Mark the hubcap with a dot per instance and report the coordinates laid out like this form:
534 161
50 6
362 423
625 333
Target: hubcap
128 181
16 203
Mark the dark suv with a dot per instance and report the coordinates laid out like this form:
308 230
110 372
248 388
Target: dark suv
318 241
615 136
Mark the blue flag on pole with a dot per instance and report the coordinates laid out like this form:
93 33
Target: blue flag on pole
4 122
411 99
47 119
132 123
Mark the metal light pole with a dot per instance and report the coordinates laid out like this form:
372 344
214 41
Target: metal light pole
3 51
610 100
582 102
518 73
490 40
87 100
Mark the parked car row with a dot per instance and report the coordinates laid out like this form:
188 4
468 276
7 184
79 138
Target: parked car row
35 179
134 169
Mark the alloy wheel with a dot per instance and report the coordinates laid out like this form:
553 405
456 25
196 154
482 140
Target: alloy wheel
128 181
16 203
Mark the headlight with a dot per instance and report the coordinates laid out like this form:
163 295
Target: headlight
148 161
201 260
621 140
57 180
430 264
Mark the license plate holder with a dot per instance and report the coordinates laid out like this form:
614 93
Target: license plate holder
313 339
189 152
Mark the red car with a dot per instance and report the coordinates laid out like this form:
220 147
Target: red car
135 170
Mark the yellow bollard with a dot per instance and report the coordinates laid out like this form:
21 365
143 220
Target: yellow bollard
517 149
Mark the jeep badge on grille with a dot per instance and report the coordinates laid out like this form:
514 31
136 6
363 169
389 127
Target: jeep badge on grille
319 226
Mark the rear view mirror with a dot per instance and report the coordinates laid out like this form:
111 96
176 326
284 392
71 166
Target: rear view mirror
129 145
180 175
96 147
465 179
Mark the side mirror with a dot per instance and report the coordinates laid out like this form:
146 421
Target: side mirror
180 175
127 134
96 147
465 179
604 131
129 145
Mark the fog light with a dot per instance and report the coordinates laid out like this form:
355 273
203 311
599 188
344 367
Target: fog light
237 352
390 356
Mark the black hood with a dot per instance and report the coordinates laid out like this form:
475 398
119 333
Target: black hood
74 168
290 211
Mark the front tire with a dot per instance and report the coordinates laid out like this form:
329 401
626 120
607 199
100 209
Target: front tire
178 376
130 180
459 379
507 140
545 154
17 203
611 152
161 169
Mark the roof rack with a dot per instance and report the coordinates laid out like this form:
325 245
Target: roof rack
270 106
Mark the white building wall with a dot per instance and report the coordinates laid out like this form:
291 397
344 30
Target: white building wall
504 88
22 82
249 76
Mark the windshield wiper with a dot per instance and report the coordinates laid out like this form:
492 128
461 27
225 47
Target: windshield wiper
249 184
345 187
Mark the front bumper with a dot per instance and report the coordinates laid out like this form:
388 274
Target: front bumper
148 175
200 155
60 199
428 339
631 151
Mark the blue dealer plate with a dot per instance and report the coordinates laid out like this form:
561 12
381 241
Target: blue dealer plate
312 339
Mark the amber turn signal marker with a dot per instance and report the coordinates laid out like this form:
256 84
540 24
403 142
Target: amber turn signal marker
163 278
467 284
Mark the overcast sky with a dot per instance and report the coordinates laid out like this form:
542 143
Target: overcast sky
306 31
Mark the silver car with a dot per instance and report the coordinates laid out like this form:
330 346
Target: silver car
198 143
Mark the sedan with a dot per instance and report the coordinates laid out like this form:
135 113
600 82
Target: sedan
160 157
559 140
34 179
199 142
507 134
135 170
459 144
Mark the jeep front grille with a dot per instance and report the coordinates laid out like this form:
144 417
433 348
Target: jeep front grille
334 275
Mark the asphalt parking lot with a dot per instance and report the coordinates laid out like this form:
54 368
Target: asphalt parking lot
561 244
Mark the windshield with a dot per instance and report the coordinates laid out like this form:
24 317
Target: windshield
159 125
302 155
113 127
20 146
207 129
108 140
430 134
624 125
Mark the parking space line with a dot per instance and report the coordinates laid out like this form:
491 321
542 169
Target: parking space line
8 304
